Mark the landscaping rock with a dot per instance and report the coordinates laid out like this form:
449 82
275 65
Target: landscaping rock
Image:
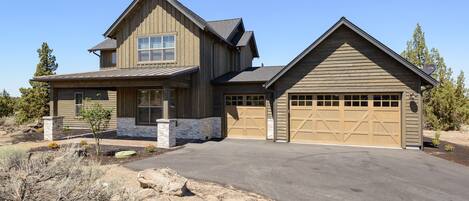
165 181
125 154
112 152
3 132
146 194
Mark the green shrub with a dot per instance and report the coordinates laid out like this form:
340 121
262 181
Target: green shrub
449 148
7 104
150 148
53 146
436 140
83 143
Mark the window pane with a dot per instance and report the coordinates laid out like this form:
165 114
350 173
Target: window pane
364 97
156 98
114 58
385 104
301 103
78 98
156 55
320 97
320 103
309 97
348 103
376 97
394 97
78 110
156 42
144 56
169 55
328 97
394 104
377 104
328 103
168 41
348 97
143 98
302 97
309 103
294 103
143 43
156 113
385 97
335 103
364 104
356 97
335 97
143 115
356 103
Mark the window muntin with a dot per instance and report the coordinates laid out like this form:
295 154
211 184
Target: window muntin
356 100
328 100
255 100
245 100
78 103
149 106
386 100
301 100
156 49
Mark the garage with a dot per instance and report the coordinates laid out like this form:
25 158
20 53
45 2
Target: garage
245 116
348 119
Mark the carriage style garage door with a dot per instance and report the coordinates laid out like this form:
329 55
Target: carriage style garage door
353 119
245 116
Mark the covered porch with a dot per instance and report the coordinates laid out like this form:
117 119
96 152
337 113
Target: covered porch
146 102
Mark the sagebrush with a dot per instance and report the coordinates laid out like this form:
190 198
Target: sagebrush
60 175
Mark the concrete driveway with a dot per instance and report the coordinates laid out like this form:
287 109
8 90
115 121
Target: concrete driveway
315 172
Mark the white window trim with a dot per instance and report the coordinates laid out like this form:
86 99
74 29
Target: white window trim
162 49
75 102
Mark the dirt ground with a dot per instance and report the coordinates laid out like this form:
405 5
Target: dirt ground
456 137
201 190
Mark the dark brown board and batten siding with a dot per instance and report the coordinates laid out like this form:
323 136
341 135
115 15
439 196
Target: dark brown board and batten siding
156 17
346 62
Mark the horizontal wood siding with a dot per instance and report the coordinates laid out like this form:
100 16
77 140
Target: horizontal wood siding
156 17
66 105
106 60
345 62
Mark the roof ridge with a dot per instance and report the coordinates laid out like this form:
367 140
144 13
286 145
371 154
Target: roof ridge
238 18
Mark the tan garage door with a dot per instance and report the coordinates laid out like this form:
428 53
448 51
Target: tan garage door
245 116
352 119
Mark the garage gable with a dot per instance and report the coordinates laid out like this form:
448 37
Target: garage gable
343 22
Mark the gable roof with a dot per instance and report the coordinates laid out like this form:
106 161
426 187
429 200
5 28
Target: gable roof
225 28
245 39
249 75
196 19
343 21
108 44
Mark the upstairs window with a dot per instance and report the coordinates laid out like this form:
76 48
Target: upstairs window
153 49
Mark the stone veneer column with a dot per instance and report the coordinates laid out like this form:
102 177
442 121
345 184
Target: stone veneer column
52 126
166 133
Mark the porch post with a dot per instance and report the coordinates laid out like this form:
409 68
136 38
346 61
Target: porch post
166 101
53 102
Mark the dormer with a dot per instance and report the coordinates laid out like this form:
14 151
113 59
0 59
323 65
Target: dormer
106 51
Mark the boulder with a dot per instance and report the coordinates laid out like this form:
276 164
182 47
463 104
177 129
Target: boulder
125 154
165 181
3 132
147 194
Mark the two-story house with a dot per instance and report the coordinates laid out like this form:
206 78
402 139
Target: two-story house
161 61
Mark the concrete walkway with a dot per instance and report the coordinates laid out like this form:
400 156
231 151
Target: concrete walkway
314 172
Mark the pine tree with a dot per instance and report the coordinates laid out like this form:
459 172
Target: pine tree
34 102
7 104
446 105
417 51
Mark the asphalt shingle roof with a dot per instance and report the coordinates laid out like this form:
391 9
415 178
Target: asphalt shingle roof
252 74
224 28
108 44
130 73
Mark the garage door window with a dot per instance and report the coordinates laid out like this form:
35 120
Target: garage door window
255 101
328 101
356 100
234 100
386 101
302 100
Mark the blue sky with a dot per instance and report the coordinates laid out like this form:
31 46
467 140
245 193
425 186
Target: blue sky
282 30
